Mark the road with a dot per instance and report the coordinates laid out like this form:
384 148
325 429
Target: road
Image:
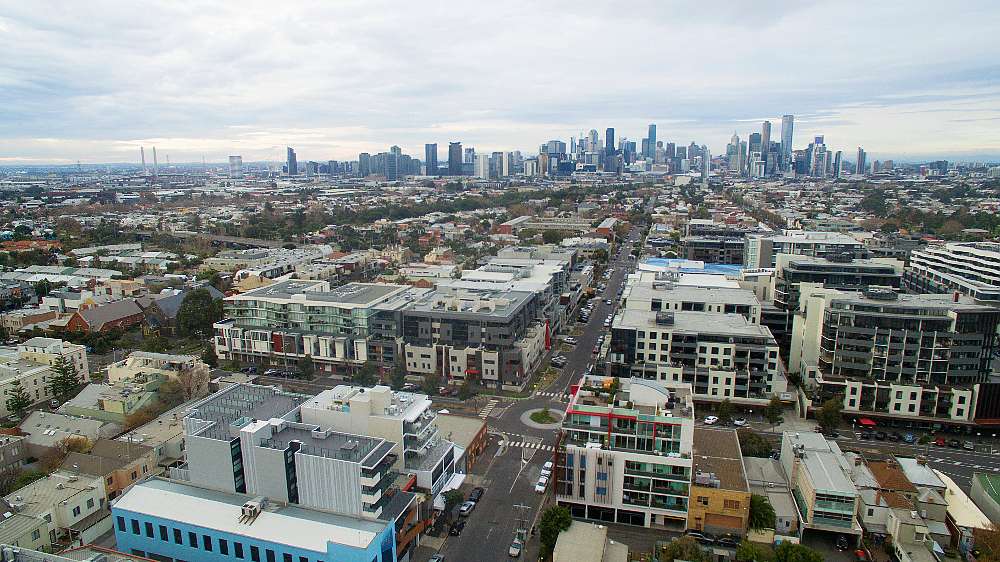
513 464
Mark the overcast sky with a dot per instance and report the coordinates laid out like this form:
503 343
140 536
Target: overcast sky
92 81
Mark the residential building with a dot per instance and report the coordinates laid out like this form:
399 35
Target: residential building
85 553
916 357
30 364
588 542
964 517
824 493
46 431
712 249
113 402
766 478
143 366
118 464
13 321
467 433
720 494
762 250
625 452
970 268
13 453
117 315
407 421
911 539
167 519
66 504
24 531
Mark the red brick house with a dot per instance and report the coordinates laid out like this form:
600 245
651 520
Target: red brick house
121 314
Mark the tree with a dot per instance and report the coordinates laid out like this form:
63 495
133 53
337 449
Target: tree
773 411
431 383
761 513
367 375
466 391
17 399
753 444
43 288
553 236
209 356
790 552
197 313
555 520
451 499
828 414
725 412
64 381
750 552
306 367
684 548
398 375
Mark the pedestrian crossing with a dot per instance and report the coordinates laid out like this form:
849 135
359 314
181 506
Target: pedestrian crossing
532 445
485 412
549 394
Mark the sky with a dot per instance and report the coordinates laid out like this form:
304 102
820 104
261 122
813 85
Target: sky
93 81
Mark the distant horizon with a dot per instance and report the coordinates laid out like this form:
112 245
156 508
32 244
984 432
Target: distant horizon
93 82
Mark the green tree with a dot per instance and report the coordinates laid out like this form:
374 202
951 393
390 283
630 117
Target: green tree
750 552
451 499
431 383
753 444
761 513
17 399
64 380
197 313
555 520
553 236
725 412
774 410
398 375
466 390
789 552
209 356
828 414
367 375
43 288
306 367
684 548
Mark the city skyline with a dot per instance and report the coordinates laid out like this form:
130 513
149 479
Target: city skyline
246 80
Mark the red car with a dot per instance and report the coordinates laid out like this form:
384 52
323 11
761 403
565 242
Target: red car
940 442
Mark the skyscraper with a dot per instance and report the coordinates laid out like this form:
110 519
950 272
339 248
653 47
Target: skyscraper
364 164
431 158
651 137
292 163
609 141
454 159
838 164
765 140
469 155
733 154
859 163
235 166
787 125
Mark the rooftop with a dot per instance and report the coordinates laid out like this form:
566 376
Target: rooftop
919 474
717 458
472 302
351 295
694 322
379 401
890 477
233 407
314 441
308 529
961 508
39 497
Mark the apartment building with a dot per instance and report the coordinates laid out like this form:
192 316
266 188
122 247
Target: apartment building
494 336
625 452
762 250
671 291
818 476
338 328
970 268
713 249
30 364
405 420
189 370
916 357
720 493
63 504
270 261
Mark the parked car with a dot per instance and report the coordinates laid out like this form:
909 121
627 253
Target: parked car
476 494
940 442
570 340
466 508
436 558
711 420
703 538
832 434
543 483
969 446
516 546
895 436
607 301
728 541
880 435
954 443
457 527
866 434
909 438
53 404
842 543
740 422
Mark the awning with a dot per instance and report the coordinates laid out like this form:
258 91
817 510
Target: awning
453 483
866 422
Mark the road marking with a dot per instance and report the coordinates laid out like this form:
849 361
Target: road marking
485 412
533 445
957 463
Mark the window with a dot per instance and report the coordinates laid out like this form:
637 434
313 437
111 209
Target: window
135 527
602 491
303 559
286 557
110 480
254 554
206 542
238 550
192 540
36 534
121 523
76 513
871 512
269 554
731 504
163 533
223 547
178 537
703 500
90 503
602 476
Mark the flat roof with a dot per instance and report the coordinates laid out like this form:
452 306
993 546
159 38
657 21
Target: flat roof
919 473
368 451
717 451
308 529
505 302
700 322
237 405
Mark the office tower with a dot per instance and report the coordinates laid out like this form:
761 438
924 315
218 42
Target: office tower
454 159
838 164
787 125
592 141
431 158
817 157
733 153
142 157
706 163
609 141
531 167
291 162
765 139
483 166
646 150
859 162
235 166
651 139
364 164
507 165
754 142
469 156
156 166
743 157
572 145
693 151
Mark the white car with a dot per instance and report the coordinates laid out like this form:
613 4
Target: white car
571 341
740 422
711 420
543 483
547 466
515 548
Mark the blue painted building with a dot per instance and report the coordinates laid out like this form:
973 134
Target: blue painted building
178 522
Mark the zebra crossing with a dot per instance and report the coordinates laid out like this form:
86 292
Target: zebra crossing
532 445
549 394
485 412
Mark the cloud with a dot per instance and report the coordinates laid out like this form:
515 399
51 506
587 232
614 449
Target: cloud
337 78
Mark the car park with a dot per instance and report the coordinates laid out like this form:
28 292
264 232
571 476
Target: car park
466 508
711 420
